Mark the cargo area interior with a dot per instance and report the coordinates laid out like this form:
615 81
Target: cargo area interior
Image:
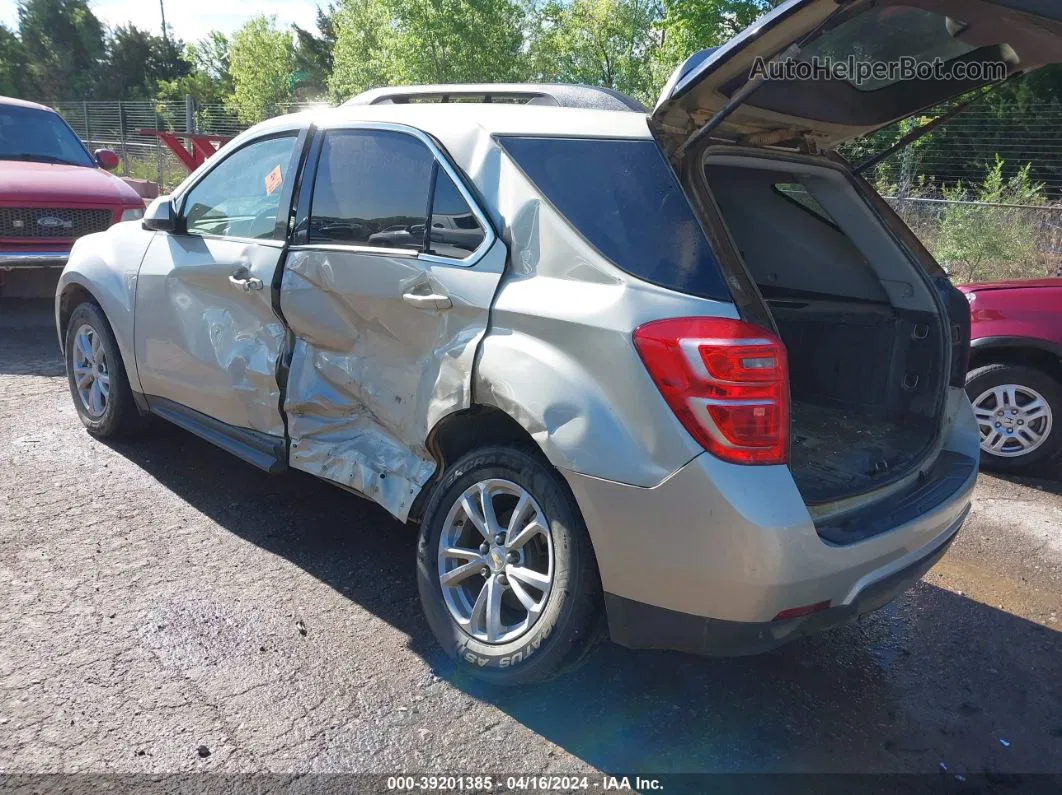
863 334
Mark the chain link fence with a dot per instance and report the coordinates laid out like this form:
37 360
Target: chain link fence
975 240
122 126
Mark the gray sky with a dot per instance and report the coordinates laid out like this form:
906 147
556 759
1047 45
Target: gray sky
189 19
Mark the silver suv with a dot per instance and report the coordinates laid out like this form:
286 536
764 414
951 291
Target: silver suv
680 374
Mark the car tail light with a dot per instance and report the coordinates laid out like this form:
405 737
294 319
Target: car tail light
727 382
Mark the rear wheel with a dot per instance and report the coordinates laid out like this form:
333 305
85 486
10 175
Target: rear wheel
1017 410
94 369
506 573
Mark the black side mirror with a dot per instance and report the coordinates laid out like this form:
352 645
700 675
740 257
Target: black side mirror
160 216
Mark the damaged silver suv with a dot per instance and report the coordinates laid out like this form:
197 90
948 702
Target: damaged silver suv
680 375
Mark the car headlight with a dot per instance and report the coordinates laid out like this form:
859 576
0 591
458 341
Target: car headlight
133 214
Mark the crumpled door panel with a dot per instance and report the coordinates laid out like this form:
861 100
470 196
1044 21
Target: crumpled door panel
370 374
200 339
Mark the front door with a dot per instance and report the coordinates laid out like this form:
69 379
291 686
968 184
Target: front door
387 289
206 334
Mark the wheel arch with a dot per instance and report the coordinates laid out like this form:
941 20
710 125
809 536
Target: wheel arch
1041 355
463 431
72 291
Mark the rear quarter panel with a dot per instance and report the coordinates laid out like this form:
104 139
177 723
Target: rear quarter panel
559 356
106 265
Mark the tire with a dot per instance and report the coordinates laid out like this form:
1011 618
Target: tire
117 413
569 618
985 385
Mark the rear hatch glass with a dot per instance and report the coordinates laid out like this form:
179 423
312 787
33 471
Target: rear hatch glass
835 71
624 199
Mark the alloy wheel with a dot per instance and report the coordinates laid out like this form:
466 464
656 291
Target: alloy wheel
1014 420
495 561
88 360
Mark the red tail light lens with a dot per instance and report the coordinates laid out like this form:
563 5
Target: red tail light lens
727 382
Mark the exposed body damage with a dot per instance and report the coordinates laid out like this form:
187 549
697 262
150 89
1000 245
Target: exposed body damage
370 374
206 344
508 322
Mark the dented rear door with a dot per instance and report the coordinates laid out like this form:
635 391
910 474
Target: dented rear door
386 290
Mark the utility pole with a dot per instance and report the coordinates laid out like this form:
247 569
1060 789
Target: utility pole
162 8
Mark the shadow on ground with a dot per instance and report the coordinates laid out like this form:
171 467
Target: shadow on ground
923 678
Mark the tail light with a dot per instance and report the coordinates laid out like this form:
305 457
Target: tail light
727 382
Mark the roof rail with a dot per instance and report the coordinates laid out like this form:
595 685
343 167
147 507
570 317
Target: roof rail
555 94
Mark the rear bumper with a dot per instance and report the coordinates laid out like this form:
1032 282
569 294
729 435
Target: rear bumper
707 559
33 259
641 626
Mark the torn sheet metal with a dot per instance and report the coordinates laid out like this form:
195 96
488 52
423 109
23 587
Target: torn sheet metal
371 374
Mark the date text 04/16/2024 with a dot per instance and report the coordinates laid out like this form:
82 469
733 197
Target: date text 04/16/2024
523 783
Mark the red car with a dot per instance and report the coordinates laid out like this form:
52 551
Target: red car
1015 378
52 189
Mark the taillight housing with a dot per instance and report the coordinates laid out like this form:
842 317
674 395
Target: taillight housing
727 382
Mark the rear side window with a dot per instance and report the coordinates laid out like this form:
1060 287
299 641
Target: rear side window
454 232
371 189
622 196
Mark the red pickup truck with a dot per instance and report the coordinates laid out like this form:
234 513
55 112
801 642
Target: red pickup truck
1015 378
52 189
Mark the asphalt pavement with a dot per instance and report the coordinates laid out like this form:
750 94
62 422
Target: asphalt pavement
166 608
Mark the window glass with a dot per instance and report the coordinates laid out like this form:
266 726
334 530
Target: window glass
624 199
39 136
371 189
887 35
796 192
241 196
455 232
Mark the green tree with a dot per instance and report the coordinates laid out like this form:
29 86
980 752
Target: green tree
361 58
313 54
138 61
691 25
12 65
601 42
262 64
208 80
210 55
64 46
381 42
991 238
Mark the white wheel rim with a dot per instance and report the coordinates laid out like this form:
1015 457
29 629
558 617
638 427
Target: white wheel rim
495 561
1014 420
92 379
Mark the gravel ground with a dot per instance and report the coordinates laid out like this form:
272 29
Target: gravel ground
165 607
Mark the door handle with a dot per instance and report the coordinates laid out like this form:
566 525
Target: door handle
430 301
245 281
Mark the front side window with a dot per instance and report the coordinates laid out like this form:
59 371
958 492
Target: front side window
241 196
39 136
371 189
622 197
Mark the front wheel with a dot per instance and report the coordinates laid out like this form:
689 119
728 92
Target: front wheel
505 569
94 370
1017 410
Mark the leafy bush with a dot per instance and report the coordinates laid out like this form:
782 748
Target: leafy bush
991 231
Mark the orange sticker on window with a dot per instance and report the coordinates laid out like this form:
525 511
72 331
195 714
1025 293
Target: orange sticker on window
273 180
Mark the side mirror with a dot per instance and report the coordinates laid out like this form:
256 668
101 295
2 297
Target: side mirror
107 159
160 216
